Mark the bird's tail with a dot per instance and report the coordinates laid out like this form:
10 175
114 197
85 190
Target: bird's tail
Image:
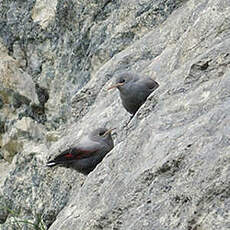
64 158
51 163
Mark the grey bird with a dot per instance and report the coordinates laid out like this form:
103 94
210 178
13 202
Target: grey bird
134 90
88 153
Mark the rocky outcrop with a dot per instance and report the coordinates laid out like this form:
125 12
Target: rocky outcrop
169 168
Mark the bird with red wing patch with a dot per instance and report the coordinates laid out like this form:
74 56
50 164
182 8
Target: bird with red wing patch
88 153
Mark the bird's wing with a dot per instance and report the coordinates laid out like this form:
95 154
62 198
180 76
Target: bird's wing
87 148
151 84
83 150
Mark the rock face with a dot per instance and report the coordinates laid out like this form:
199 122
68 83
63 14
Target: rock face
170 166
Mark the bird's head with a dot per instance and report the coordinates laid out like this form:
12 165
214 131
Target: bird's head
102 134
123 80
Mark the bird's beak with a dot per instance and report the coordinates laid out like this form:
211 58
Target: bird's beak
108 132
115 86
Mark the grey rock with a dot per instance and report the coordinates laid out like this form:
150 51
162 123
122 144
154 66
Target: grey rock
3 211
1 103
38 185
169 168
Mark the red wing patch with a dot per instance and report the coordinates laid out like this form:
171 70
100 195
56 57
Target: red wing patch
69 155
85 154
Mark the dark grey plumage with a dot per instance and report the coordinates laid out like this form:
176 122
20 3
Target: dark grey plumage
89 152
134 90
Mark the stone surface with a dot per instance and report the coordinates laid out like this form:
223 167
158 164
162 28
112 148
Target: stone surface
170 166
44 12
11 77
21 132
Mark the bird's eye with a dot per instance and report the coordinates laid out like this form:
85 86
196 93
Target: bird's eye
101 133
122 81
